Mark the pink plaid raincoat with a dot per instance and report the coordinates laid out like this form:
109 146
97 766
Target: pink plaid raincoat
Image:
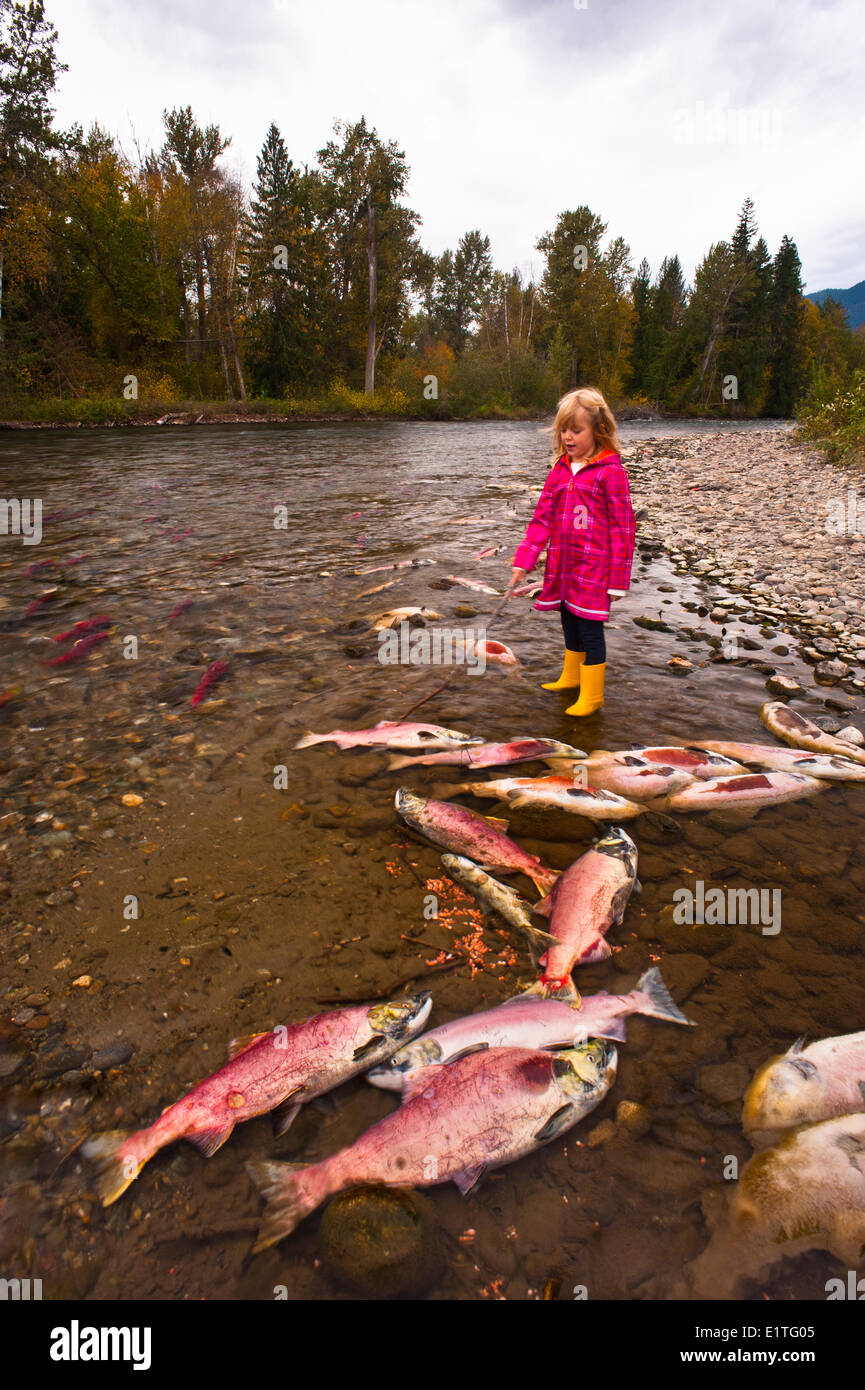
587 522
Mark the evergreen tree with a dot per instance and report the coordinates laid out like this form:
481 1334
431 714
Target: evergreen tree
787 325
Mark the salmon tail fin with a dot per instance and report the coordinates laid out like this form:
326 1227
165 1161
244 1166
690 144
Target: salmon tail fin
661 1003
115 1165
443 791
544 880
564 990
289 1197
309 739
397 760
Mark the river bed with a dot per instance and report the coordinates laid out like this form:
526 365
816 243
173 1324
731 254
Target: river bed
140 935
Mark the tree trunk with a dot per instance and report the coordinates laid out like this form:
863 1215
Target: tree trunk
2 262
369 373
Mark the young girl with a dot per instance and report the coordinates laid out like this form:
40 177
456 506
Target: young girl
584 514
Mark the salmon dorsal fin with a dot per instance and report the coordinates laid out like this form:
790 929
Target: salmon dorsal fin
243 1044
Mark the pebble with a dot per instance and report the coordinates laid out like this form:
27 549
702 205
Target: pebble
723 1082
633 1117
601 1134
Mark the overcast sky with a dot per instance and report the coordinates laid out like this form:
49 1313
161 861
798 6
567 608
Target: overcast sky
661 115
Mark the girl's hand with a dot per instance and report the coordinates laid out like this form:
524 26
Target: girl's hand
517 576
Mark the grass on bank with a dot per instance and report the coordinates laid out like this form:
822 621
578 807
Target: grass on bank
837 425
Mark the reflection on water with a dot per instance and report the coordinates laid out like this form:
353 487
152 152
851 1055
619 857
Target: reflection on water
253 903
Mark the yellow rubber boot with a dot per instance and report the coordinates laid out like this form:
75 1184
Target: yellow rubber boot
570 677
591 690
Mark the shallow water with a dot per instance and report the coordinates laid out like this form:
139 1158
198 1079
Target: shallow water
254 904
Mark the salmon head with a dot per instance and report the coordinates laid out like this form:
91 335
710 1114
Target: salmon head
423 1052
584 1071
784 1092
408 805
618 845
400 1018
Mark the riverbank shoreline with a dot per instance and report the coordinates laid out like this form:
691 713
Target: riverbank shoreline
767 523
105 416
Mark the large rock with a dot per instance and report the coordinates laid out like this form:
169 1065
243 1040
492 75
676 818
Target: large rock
383 1242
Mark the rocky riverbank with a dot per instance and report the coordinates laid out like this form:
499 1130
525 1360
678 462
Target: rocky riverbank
772 529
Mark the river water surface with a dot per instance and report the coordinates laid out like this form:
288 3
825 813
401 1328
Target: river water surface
140 935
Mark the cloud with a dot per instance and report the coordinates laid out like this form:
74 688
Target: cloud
511 111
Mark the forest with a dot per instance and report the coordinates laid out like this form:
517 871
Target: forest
160 279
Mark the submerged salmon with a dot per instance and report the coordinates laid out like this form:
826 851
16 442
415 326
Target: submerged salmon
461 831
81 629
804 1085
493 754
555 793
214 673
455 1123
473 584
529 1020
700 762
496 897
830 766
389 733
79 649
752 791
588 899
631 776
284 1067
794 729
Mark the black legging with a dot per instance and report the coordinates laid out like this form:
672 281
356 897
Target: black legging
584 635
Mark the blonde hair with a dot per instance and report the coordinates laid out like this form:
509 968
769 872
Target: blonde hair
601 420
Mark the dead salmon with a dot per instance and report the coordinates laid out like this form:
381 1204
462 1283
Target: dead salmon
528 1020
454 1124
829 766
631 776
474 584
492 754
699 761
803 1086
497 897
285 1067
794 729
392 734
752 791
588 899
395 616
465 832
554 794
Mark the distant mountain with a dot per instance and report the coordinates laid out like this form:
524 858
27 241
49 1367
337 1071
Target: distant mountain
853 301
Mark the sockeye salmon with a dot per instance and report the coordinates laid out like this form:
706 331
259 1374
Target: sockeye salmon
454 1124
631 776
283 1068
554 793
497 897
807 1193
461 831
829 766
752 791
588 899
473 584
805 1085
528 1020
699 761
392 734
794 729
493 754
79 629
214 673
79 649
